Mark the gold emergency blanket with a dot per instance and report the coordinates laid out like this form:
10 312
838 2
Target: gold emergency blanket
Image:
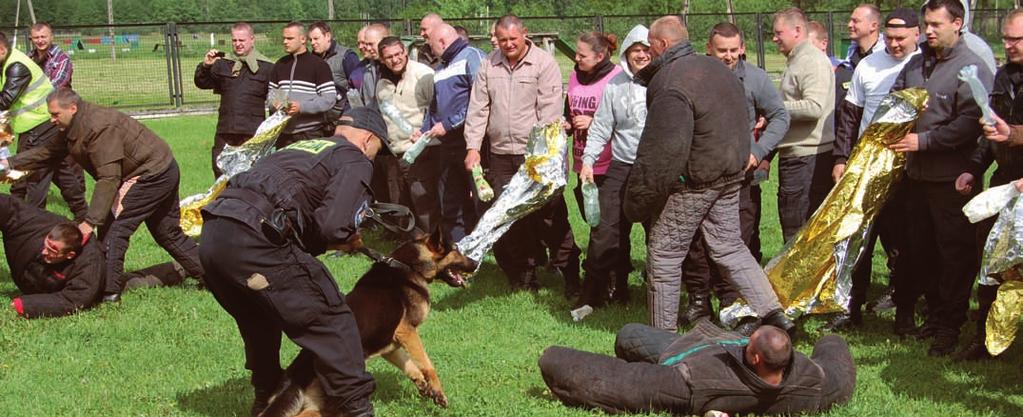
813 273
1002 263
232 161
541 178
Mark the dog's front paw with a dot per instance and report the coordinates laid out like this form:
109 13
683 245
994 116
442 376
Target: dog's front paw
439 398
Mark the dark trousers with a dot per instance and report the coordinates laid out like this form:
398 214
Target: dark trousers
386 182
67 174
803 183
522 248
271 289
220 140
610 249
458 202
890 228
632 382
418 188
699 275
153 200
942 257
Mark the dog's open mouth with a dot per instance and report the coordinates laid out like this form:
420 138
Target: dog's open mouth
454 278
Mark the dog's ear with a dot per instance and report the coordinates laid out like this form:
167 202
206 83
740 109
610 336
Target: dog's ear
436 242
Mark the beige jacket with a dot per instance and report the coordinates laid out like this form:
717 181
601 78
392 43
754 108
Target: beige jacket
507 102
808 90
411 95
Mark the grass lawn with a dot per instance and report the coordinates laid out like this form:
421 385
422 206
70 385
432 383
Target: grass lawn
175 352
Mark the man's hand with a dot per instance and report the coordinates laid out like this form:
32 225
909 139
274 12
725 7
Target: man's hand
910 143
586 174
761 122
438 130
472 158
5 164
997 133
752 162
837 171
293 108
764 165
210 58
85 228
964 184
581 122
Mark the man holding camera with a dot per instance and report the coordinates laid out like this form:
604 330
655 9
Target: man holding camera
242 85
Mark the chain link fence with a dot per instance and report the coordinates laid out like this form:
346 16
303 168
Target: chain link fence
150 67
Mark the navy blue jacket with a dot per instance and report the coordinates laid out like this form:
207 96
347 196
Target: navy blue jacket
452 83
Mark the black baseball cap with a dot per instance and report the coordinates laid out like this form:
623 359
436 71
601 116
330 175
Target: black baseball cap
366 118
908 17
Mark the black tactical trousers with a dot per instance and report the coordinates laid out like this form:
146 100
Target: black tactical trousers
66 174
153 200
272 289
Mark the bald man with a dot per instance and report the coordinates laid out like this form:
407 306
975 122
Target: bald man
705 369
688 173
425 51
445 120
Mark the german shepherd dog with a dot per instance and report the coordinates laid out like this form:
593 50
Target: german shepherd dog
389 302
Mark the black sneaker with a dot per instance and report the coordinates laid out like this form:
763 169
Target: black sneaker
905 324
111 298
974 351
746 326
943 345
778 319
699 307
842 322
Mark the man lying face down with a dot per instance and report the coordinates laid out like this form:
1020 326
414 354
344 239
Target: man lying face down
704 369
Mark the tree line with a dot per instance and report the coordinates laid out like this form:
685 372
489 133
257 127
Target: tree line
94 12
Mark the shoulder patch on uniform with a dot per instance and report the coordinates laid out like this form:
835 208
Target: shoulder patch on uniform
313 146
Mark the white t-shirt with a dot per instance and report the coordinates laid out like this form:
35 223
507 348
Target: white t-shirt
872 80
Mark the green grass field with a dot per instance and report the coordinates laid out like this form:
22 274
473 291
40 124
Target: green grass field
175 352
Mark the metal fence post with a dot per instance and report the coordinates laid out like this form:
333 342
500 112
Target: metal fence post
831 34
761 61
175 62
168 40
598 23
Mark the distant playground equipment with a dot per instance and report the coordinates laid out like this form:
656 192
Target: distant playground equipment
89 44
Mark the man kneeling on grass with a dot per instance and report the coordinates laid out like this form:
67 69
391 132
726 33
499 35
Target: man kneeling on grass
57 273
704 369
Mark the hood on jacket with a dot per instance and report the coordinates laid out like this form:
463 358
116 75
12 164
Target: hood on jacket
638 34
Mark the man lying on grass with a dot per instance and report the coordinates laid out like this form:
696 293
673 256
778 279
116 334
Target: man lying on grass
57 273
707 368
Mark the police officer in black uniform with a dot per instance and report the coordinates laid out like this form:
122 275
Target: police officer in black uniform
259 243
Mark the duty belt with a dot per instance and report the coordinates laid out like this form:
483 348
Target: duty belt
274 221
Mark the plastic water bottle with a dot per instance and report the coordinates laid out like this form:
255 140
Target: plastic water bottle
591 204
417 148
581 312
354 98
482 187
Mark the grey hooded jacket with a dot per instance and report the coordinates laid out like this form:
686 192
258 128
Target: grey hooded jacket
622 111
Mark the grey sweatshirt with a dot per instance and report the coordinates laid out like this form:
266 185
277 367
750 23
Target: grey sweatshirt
762 99
622 111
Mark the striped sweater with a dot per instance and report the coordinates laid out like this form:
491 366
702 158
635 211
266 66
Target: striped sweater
306 79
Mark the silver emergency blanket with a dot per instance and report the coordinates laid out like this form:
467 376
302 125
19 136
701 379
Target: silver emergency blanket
233 160
540 178
1002 263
